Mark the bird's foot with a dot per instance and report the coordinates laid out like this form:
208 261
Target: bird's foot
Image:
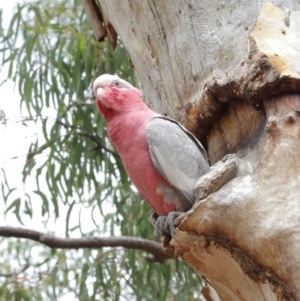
165 225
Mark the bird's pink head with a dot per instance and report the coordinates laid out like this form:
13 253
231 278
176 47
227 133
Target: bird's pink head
114 95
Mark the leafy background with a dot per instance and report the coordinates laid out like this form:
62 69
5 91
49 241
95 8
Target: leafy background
73 183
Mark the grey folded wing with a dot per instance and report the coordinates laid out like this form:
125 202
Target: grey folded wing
176 154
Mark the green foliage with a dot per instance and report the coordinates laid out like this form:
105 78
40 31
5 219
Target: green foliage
70 172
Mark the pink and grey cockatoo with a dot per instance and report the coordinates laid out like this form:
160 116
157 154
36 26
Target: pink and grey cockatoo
162 158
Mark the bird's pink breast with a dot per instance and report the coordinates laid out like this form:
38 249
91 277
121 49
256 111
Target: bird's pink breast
128 133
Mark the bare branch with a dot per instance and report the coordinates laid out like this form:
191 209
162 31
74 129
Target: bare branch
94 14
76 131
127 242
94 138
16 273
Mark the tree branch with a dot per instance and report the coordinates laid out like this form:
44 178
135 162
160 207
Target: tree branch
16 273
94 138
77 131
127 242
94 15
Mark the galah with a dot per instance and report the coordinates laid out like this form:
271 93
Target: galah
162 158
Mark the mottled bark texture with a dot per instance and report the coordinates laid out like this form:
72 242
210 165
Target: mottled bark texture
230 70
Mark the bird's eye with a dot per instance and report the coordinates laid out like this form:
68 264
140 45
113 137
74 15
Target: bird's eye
116 83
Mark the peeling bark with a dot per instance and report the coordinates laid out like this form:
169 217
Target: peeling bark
272 68
231 72
253 221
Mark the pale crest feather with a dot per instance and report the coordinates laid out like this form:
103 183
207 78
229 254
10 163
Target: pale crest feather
108 80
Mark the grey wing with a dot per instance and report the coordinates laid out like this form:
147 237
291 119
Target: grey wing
177 155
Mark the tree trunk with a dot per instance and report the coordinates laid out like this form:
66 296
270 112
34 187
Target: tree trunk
230 71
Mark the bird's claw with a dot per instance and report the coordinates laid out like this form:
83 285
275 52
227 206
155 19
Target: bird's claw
165 225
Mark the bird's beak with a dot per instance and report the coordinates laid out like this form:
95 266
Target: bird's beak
98 92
